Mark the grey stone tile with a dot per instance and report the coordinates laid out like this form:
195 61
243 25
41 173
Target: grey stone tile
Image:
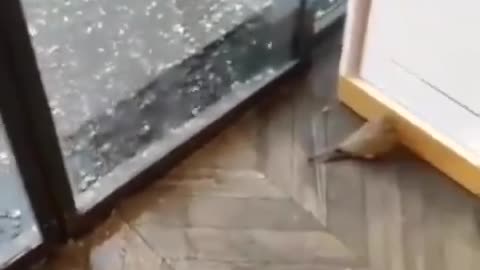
212 265
218 212
219 182
111 246
244 245
116 246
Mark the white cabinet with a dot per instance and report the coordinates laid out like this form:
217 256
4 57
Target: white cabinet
418 60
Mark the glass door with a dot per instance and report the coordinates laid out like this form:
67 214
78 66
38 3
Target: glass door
29 220
102 93
19 230
130 81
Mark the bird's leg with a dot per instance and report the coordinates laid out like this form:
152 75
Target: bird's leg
314 157
334 154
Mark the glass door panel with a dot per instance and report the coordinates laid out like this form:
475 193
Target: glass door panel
327 11
129 81
19 232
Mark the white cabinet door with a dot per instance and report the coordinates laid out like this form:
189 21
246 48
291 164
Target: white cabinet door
425 54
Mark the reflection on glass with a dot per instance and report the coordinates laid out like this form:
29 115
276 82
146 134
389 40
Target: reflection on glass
327 11
129 80
18 229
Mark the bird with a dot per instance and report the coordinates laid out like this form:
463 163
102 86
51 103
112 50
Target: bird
372 140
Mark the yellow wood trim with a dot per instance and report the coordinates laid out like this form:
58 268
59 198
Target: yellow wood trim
445 155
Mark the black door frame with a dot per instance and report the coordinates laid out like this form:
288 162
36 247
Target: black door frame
30 131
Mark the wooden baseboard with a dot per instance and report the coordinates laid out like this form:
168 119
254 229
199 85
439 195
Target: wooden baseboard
443 154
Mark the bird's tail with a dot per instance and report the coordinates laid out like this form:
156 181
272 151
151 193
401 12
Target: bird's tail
328 155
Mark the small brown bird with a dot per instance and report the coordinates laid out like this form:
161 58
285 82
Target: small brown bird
374 139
